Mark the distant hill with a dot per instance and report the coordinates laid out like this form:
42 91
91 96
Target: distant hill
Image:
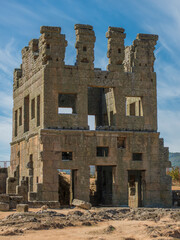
175 159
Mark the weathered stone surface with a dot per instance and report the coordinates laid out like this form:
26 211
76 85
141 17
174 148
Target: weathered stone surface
4 198
14 200
124 147
81 204
22 208
4 206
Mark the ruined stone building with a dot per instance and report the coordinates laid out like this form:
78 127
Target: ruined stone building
128 157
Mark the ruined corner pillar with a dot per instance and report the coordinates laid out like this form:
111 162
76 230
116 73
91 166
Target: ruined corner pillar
116 48
85 39
52 45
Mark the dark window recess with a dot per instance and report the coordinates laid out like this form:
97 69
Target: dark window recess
26 113
137 156
132 109
84 49
15 130
20 116
121 142
66 155
37 180
67 101
47 46
119 50
30 157
33 108
38 110
102 151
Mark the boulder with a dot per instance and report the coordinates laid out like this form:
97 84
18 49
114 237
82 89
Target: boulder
22 207
4 206
81 204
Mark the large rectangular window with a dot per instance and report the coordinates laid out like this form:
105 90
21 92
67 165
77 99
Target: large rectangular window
26 113
102 151
134 106
101 104
67 103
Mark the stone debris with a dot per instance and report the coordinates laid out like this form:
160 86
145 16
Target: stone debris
18 223
44 207
81 204
22 208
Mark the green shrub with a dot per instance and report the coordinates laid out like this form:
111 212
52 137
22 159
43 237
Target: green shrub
175 173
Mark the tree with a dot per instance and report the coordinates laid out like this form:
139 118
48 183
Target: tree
175 173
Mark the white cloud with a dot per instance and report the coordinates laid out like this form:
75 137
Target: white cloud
9 58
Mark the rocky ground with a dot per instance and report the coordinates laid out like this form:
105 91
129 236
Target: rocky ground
97 223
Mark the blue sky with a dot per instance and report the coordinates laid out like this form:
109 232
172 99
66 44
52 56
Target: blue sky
20 21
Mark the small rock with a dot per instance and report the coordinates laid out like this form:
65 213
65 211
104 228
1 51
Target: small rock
44 207
81 204
22 207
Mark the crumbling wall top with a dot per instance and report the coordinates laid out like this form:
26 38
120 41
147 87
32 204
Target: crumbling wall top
83 26
142 36
45 29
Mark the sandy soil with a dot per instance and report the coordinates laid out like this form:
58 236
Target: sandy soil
124 229
128 230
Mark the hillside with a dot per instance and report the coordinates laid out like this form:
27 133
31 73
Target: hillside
175 159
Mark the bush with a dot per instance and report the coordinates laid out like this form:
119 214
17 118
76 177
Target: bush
175 173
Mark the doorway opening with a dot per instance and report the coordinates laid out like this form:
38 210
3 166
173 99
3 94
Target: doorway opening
67 186
136 188
101 180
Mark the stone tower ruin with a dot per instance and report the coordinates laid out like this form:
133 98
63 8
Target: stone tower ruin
51 132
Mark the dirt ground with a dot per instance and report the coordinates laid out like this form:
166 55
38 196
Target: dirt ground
98 223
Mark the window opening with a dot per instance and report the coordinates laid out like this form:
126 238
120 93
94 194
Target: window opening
67 103
84 49
134 106
33 108
67 156
137 156
47 46
20 116
38 110
91 122
15 132
101 104
121 142
26 113
102 151
65 110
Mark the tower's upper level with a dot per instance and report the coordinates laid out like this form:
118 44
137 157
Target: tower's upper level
121 98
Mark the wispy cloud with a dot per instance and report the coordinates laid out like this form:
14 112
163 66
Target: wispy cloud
9 58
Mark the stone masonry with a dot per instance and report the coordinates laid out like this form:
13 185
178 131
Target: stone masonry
130 159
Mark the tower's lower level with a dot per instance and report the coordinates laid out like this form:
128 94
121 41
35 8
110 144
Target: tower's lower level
117 168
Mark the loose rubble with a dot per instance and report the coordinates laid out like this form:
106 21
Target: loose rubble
18 223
